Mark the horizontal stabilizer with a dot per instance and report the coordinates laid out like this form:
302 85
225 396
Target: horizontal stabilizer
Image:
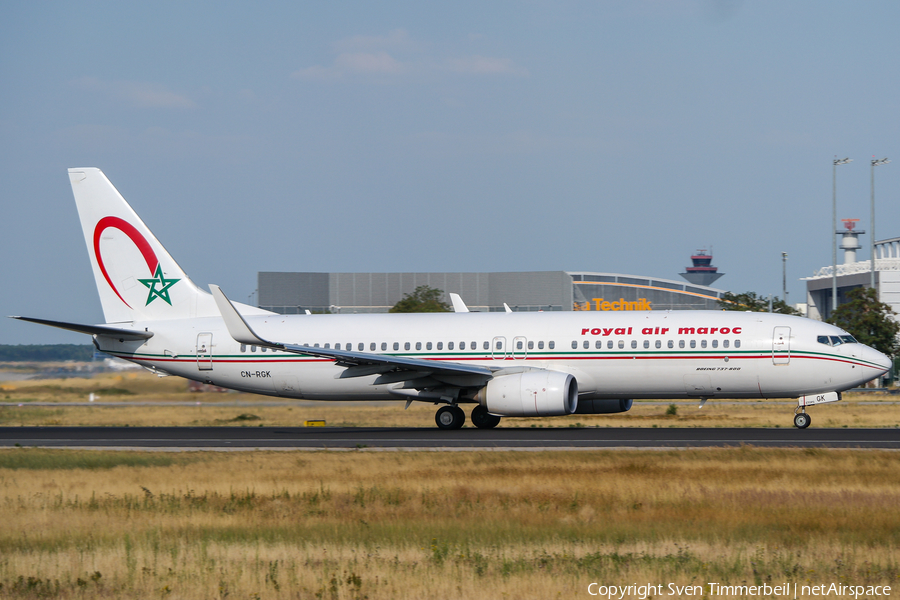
122 334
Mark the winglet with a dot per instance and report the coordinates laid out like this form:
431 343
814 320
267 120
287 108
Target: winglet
506 307
458 304
237 326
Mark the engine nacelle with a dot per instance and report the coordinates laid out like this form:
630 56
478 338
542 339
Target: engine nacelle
604 406
530 394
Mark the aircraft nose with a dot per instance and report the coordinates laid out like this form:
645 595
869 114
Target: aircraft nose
882 360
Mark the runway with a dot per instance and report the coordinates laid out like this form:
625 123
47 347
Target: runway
337 438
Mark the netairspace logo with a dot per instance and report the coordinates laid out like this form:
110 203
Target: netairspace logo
644 591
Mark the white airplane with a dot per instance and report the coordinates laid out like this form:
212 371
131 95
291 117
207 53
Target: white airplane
506 364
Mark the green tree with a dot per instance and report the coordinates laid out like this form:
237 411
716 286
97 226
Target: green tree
750 301
869 320
424 299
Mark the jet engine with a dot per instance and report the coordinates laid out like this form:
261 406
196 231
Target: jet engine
530 394
603 406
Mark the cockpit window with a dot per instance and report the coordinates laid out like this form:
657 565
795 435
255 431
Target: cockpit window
836 341
848 339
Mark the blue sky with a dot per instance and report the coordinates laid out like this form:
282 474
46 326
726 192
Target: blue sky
422 136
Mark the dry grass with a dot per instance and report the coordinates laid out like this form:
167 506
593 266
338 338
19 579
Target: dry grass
431 525
196 409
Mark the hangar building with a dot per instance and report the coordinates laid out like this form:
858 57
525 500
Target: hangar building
292 293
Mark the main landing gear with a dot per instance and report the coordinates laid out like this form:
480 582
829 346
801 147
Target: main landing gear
450 417
801 419
453 417
482 419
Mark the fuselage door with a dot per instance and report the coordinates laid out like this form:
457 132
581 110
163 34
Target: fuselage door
204 351
498 348
519 347
781 346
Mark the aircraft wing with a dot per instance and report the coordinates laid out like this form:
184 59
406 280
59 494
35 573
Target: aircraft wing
392 369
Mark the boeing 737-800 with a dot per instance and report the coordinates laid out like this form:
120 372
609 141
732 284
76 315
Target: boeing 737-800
507 364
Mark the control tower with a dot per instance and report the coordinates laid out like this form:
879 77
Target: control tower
702 273
850 239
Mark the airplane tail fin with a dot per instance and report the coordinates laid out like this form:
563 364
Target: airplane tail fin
137 279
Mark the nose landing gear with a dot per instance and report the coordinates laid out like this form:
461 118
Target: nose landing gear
801 419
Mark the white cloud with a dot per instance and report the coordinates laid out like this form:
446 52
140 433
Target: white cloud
396 54
361 62
137 93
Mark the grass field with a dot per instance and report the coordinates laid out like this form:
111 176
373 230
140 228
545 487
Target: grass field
196 409
359 524
79 524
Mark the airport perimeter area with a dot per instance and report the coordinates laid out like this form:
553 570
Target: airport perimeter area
709 523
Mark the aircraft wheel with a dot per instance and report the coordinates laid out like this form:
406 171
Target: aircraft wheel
802 420
450 417
482 419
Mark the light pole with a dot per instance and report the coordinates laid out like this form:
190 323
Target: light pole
784 277
875 163
834 231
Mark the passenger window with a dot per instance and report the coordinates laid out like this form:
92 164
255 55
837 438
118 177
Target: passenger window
499 345
474 346
725 343
418 345
428 346
621 344
327 345
530 345
574 345
587 344
715 343
263 348
383 346
633 344
737 343
361 347
540 345
406 346
551 345
396 345
440 345
659 343
599 344
252 348
681 343
349 347
372 347
316 345
243 347
646 343
693 343
449 345
703 343
671 344
609 344
519 345
462 345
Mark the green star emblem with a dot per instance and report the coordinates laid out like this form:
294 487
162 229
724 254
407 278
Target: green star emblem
163 290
